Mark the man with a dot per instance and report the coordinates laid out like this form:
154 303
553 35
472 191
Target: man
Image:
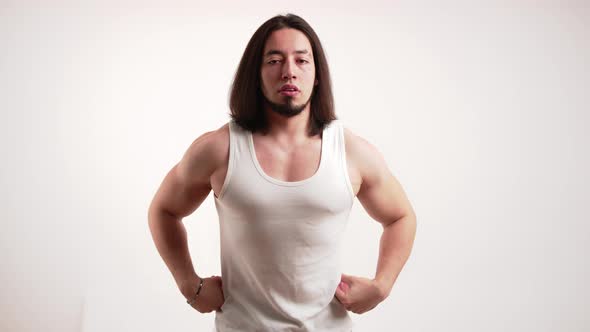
284 173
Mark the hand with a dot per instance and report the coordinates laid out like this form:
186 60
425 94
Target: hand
357 294
211 296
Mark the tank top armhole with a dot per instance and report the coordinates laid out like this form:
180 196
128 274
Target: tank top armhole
343 162
230 162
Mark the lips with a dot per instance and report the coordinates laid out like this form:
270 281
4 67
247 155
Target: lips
289 88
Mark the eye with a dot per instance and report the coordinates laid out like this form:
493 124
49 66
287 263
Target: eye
303 61
272 62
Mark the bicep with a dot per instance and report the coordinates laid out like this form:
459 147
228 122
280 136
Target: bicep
381 194
187 184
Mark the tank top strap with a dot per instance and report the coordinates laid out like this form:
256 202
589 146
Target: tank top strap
238 150
337 147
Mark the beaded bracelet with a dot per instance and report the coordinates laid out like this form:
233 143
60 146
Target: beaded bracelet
196 295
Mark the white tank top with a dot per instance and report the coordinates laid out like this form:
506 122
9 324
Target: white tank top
280 241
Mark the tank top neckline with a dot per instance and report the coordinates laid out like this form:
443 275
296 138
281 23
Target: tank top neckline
323 156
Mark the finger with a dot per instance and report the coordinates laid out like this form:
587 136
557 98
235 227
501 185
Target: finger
340 294
345 287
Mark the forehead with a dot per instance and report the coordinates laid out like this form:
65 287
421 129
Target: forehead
287 41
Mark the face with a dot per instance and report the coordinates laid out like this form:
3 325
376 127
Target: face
287 72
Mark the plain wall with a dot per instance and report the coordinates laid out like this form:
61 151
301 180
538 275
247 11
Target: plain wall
479 108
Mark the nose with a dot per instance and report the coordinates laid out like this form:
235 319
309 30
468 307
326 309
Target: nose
288 70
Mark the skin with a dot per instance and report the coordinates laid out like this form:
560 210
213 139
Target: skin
291 66
286 153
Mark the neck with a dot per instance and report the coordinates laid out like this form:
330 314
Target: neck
293 128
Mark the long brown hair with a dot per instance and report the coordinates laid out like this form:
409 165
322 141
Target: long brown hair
246 100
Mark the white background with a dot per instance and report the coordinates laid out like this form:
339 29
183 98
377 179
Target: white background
479 109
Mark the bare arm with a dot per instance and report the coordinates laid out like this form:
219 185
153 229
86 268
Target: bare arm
384 199
182 191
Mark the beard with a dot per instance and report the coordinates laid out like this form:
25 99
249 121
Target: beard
288 108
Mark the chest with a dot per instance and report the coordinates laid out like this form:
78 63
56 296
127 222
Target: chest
289 164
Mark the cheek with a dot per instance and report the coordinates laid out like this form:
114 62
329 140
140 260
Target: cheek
311 74
263 82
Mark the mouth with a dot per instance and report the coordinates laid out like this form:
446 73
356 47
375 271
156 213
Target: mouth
289 88
289 93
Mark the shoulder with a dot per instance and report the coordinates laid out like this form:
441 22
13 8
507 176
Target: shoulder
212 143
363 155
208 151
358 148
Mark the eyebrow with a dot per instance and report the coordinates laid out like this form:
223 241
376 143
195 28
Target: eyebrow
271 52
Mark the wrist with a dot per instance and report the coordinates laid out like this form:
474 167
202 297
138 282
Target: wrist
189 286
383 285
191 300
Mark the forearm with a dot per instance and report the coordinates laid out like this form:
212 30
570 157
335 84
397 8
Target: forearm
169 235
394 249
